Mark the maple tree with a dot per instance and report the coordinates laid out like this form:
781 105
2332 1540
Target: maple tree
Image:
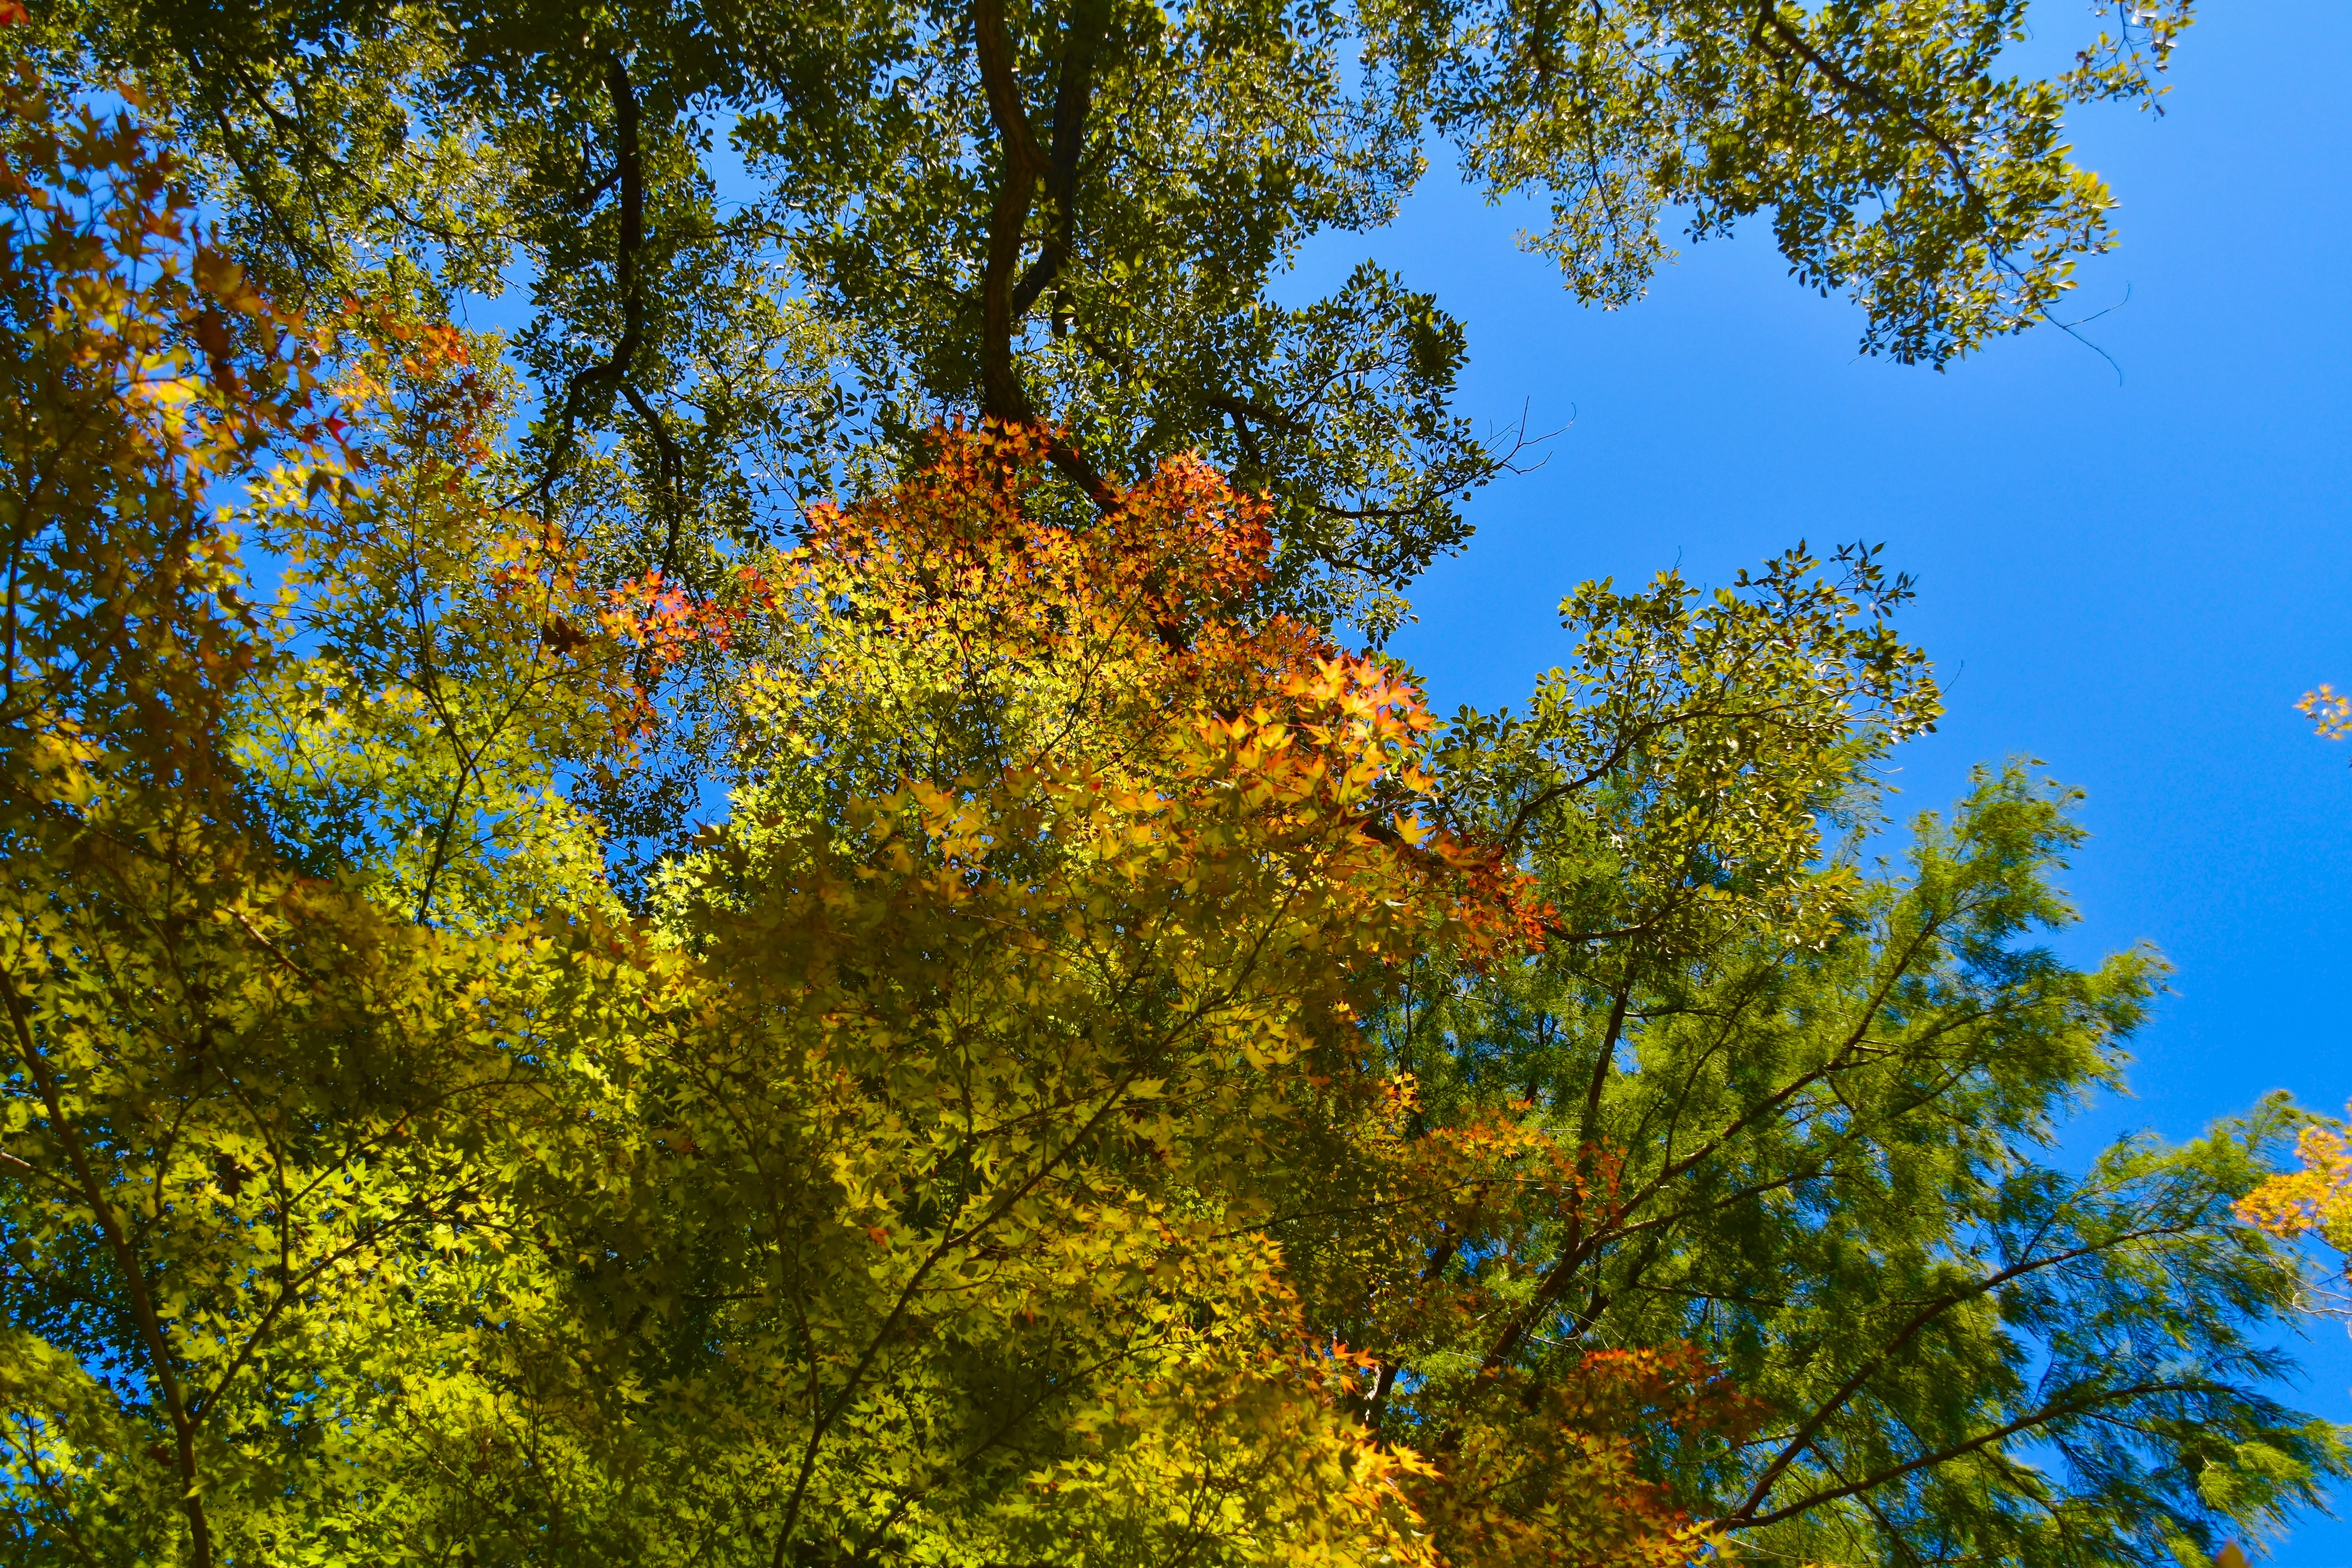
1118 1081
241 1094
376 1184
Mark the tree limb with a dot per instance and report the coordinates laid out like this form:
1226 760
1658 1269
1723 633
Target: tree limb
1023 167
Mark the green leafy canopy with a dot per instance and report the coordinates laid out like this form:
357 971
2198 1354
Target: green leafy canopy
1079 211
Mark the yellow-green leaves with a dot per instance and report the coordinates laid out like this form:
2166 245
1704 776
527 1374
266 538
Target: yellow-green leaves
241 1104
2329 711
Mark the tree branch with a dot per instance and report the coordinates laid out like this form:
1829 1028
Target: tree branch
1024 166
2042 1417
1805 1434
143 1305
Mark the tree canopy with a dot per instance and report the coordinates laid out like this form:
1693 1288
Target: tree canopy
768 247
553 1018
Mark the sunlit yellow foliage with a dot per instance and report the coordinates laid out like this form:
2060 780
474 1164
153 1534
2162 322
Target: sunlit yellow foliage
2314 1198
380 1188
2330 710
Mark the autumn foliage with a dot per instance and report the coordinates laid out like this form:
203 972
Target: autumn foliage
2315 1197
543 1030
902 1187
1143 867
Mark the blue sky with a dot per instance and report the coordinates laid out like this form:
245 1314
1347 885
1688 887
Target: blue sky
2131 582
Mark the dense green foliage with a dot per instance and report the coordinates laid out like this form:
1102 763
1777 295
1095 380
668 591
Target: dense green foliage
1813 1101
768 246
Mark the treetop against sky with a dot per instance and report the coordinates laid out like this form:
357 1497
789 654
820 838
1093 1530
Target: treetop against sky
1119 1081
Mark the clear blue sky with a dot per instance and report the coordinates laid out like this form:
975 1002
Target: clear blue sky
2133 583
